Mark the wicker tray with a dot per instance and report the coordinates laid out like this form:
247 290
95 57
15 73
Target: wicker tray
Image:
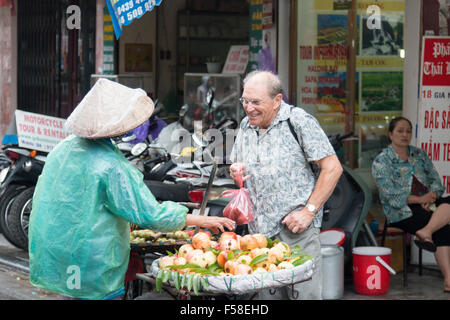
242 284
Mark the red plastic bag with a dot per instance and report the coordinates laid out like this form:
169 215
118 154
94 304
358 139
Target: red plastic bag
239 208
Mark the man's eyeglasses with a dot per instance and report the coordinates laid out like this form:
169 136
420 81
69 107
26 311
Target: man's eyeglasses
246 101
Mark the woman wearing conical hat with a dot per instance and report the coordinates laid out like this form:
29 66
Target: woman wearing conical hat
87 195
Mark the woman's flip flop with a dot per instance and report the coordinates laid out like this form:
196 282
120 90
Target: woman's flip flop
425 245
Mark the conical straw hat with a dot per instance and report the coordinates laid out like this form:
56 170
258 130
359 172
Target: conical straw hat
109 109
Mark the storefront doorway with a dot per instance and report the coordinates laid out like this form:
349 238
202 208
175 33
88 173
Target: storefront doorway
54 62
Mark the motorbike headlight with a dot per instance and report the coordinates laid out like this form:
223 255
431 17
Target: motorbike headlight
27 165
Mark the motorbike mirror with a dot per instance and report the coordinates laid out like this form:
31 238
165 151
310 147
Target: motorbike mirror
209 96
131 137
138 148
187 152
182 111
199 140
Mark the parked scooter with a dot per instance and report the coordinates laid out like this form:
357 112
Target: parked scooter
348 207
22 174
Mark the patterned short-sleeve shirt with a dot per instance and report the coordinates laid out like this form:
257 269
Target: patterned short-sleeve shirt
394 178
281 179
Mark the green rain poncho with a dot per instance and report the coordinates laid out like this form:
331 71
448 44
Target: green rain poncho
79 226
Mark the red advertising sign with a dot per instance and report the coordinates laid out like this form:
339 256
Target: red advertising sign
433 121
436 61
237 60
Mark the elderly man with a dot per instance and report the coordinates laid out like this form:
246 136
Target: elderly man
285 193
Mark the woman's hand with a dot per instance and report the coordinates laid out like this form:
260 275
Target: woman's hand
428 198
216 224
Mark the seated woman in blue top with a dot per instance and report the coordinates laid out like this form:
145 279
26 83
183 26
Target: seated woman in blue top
410 192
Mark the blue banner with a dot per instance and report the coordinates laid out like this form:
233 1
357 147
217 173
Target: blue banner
124 11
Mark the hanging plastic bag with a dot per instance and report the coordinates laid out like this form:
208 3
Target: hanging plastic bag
239 208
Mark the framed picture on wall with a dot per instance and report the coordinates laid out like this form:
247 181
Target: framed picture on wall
138 57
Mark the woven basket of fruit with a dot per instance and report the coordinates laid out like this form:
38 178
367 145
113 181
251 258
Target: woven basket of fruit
232 265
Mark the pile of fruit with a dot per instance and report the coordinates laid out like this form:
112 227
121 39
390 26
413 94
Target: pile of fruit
232 255
143 236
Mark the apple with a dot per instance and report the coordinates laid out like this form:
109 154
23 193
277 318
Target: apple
166 261
229 266
199 260
193 253
229 244
201 241
228 235
248 242
260 270
222 257
179 261
271 267
275 253
263 264
185 249
284 248
261 240
245 259
241 268
210 258
215 244
285 265
256 252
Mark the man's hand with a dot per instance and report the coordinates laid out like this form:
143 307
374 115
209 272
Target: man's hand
237 171
298 221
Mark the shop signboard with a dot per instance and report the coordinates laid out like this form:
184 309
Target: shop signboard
433 134
38 131
255 32
108 43
263 36
323 54
237 60
124 11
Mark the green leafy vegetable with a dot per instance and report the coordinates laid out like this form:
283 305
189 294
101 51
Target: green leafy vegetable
195 283
189 281
204 282
176 280
259 259
159 280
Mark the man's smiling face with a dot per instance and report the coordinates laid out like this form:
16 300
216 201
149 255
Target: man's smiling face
259 106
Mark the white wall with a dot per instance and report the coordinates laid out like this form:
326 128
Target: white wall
141 31
167 41
283 43
144 30
99 37
411 70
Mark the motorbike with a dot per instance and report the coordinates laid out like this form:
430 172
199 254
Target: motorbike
347 208
20 177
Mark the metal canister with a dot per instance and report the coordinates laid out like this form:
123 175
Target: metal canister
332 272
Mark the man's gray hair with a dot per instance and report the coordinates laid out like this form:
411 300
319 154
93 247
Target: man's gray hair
274 85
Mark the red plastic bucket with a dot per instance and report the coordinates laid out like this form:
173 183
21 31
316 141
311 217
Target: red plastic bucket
371 268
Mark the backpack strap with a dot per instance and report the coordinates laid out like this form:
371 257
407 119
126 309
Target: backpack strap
291 128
